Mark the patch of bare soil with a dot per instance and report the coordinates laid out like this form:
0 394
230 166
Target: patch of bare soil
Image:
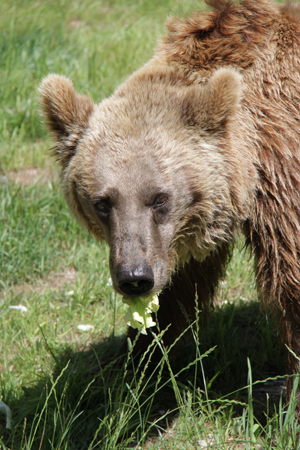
29 176
55 281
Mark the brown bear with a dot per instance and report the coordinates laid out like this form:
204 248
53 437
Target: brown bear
200 142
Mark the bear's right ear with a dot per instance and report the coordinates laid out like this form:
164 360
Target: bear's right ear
66 113
210 106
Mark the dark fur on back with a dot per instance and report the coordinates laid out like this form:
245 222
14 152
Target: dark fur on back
230 35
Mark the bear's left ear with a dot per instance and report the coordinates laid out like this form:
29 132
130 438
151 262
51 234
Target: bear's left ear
66 113
211 105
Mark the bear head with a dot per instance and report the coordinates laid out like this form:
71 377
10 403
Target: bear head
153 170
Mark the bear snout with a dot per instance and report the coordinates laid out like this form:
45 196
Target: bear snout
135 281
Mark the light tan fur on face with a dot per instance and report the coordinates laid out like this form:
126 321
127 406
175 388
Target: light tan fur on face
125 137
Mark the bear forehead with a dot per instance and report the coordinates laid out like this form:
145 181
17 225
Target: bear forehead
110 156
127 169
119 143
139 111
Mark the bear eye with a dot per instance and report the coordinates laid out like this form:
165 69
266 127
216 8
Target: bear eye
160 200
103 207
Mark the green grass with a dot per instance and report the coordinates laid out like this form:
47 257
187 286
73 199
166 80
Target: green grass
96 44
54 377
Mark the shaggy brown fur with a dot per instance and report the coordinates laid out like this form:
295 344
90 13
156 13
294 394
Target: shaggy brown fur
201 141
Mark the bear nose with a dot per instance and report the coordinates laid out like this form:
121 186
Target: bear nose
136 281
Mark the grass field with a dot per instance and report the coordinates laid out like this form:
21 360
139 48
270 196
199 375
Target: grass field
54 277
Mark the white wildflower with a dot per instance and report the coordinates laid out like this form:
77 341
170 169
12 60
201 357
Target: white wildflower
82 327
19 307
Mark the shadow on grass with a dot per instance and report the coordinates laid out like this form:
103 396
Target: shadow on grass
91 404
